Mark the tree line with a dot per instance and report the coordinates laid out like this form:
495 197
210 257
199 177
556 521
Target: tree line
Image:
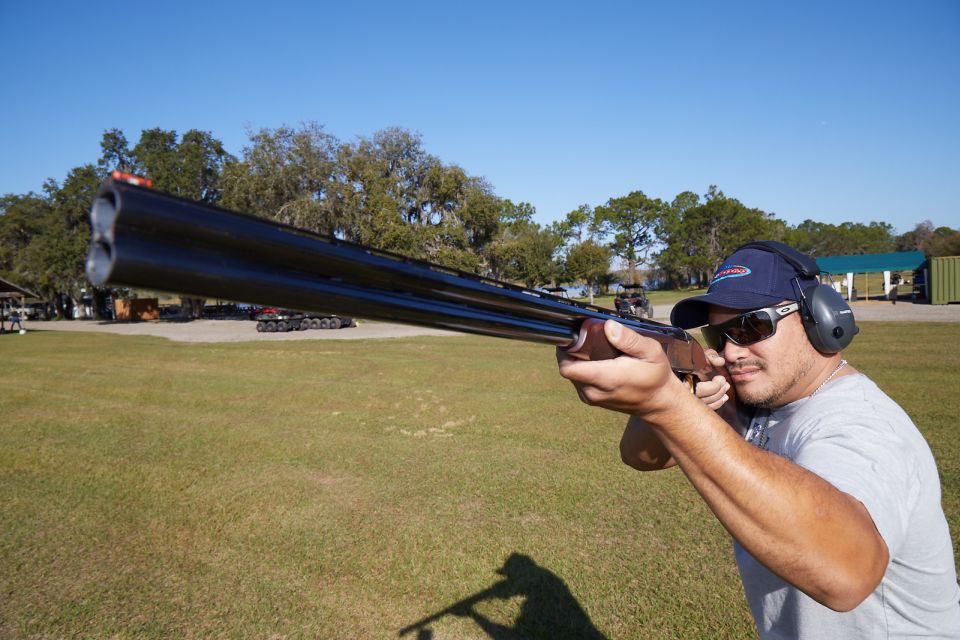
388 192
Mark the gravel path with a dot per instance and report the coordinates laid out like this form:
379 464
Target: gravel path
244 330
236 330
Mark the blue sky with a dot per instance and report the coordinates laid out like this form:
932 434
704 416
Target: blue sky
833 111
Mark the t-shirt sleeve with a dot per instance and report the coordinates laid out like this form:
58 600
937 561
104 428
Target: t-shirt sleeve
868 462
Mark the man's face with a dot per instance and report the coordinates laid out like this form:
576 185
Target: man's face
769 373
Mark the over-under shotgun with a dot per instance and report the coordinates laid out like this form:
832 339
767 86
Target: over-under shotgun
147 239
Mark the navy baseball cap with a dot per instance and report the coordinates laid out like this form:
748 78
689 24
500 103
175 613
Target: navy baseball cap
749 279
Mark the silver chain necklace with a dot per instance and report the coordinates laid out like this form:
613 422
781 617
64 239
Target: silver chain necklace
757 434
842 364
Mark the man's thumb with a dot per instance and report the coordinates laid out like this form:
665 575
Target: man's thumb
625 341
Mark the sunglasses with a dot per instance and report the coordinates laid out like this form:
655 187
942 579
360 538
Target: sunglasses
747 328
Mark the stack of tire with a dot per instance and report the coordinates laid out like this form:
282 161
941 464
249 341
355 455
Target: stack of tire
301 323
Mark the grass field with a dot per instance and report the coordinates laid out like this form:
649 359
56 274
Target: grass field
320 489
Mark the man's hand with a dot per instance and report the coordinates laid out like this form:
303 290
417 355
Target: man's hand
714 392
638 382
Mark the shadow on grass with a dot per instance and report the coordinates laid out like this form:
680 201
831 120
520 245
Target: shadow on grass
549 610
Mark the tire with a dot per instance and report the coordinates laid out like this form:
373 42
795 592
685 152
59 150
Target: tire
314 323
324 323
304 325
335 323
271 326
261 327
282 326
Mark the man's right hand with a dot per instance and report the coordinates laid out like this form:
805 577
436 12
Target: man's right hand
714 392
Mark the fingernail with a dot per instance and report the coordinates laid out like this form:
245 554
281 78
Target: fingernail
615 330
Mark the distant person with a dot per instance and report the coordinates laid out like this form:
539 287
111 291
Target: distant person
829 491
920 286
15 320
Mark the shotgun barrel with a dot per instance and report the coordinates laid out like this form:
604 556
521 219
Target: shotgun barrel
147 239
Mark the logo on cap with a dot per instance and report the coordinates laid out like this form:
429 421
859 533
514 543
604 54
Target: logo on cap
730 271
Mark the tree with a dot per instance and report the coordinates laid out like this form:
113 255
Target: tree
22 218
534 260
579 225
944 242
288 175
393 195
512 213
115 152
847 238
54 259
672 262
190 167
633 220
934 242
589 263
522 250
700 237
499 254
915 239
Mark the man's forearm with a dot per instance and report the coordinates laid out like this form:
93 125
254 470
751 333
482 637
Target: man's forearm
642 449
796 524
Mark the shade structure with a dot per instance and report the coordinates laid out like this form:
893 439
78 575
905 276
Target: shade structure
872 262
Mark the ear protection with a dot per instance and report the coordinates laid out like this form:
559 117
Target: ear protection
826 316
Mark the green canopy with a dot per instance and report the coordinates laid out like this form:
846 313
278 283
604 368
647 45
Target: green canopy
10 290
872 262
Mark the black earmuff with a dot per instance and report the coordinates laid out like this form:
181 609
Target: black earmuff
827 318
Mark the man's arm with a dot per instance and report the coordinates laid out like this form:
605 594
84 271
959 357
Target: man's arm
795 523
640 447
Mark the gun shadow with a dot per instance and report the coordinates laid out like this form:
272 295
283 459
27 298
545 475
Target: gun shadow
549 610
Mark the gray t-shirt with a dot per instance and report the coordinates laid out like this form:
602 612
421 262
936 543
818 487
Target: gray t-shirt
854 436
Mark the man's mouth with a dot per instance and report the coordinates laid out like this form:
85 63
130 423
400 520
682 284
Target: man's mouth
744 372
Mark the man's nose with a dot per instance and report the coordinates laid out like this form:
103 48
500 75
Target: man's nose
733 352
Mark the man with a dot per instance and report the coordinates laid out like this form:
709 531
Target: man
828 489
15 320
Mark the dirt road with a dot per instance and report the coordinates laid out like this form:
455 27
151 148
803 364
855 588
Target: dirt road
236 330
244 330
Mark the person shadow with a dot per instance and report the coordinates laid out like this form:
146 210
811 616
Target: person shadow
549 610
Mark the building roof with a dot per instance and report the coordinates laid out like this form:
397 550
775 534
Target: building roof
872 262
10 290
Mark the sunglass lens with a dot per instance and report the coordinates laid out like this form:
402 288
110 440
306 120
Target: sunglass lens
754 326
713 337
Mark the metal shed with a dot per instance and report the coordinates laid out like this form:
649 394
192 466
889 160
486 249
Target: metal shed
944 279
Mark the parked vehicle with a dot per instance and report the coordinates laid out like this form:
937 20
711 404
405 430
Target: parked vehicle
271 320
631 300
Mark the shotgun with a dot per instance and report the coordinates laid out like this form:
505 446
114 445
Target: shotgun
502 590
147 239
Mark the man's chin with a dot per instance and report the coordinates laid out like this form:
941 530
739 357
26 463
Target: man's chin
749 395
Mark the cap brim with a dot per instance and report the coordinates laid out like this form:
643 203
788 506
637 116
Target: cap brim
694 312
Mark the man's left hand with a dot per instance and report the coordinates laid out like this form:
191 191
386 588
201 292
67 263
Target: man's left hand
638 382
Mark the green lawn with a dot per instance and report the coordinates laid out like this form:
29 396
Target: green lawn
340 489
